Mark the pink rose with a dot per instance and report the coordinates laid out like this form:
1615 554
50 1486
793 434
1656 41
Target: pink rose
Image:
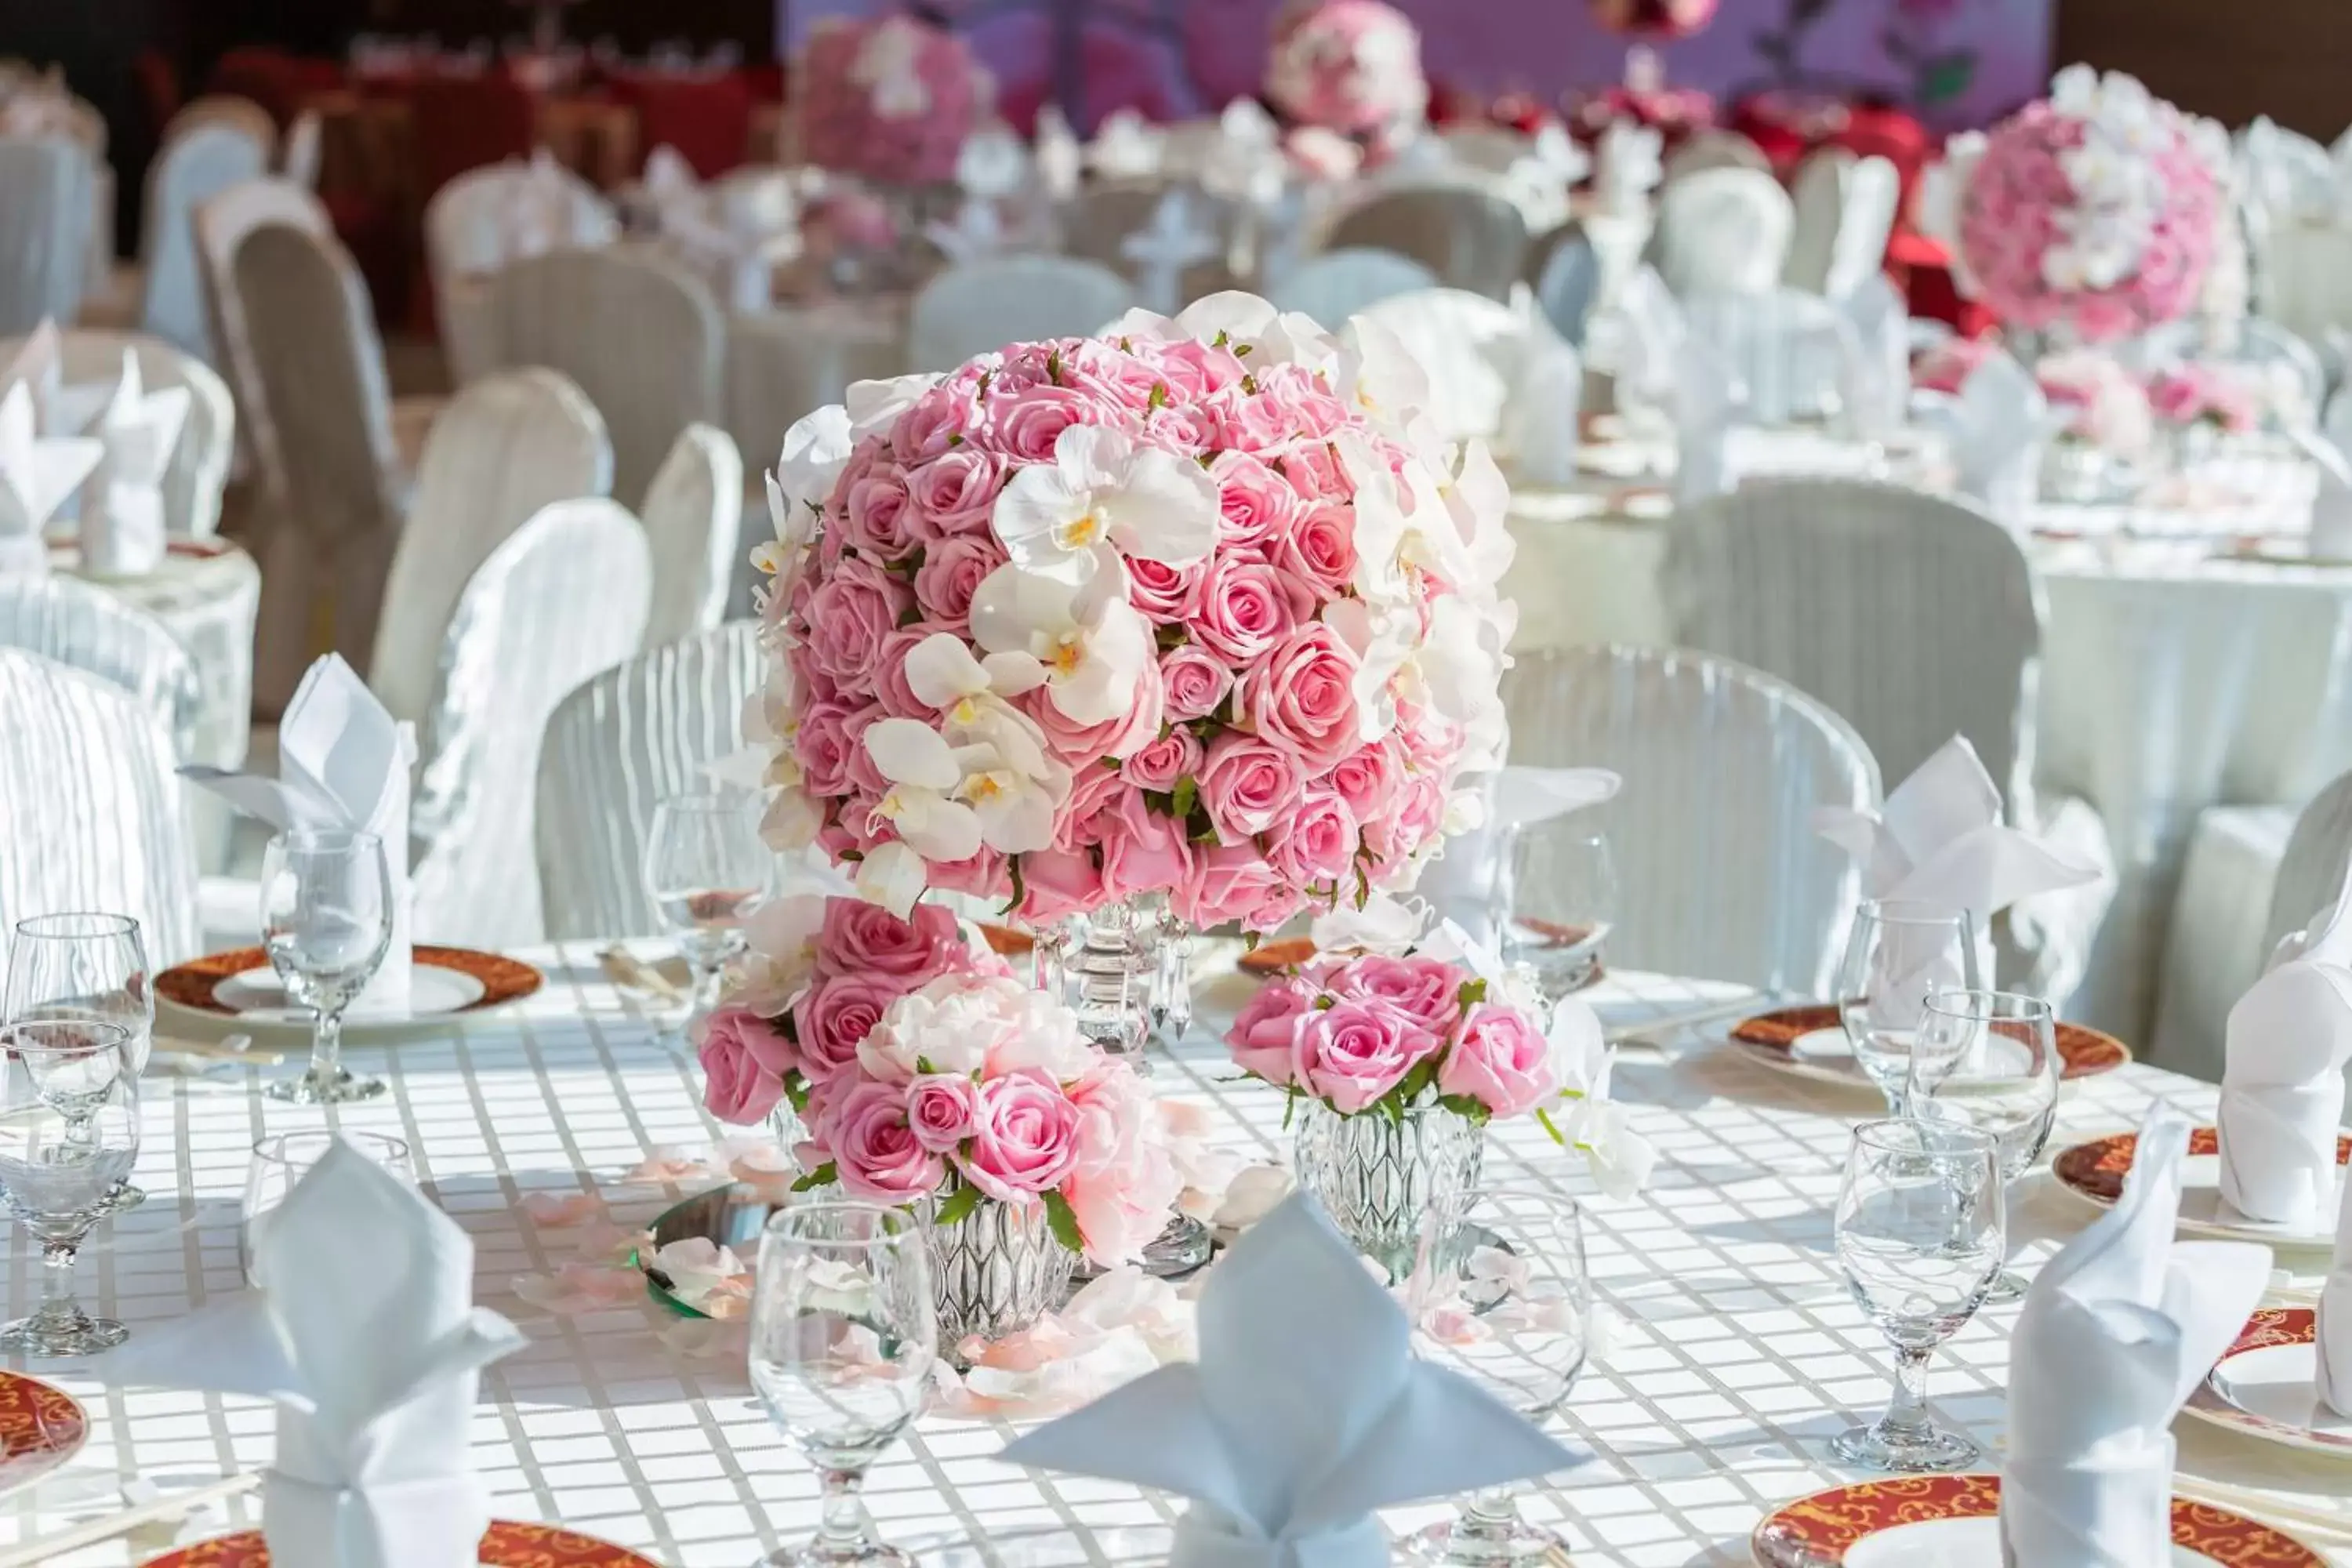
874 1151
1261 1037
982 874
1246 783
1425 990
1058 883
896 698
1499 1060
1314 474
862 939
944 1108
1083 746
1125 379
1026 1140
1257 505
1233 882
1167 595
1162 762
1368 778
1122 1211
1144 852
1417 816
1351 1053
1194 370
1314 845
865 777
955 492
744 1058
1321 547
1303 698
1246 607
824 747
878 515
1094 793
1195 681
1113 1110
837 1013
1024 424
849 613
929 430
952 571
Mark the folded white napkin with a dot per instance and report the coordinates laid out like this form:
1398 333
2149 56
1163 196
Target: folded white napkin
2286 1047
993 164
1709 398
1999 425
342 762
39 367
1651 330
1629 166
365 1336
669 177
2116 1331
2335 1385
1173 240
122 515
1061 161
1540 417
37 474
1306 1411
976 234
1876 382
1460 883
1126 147
2331 501
1243 161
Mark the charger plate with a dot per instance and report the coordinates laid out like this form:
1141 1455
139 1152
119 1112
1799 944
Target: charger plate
2262 1385
448 983
1810 1042
41 1427
506 1546
2095 1173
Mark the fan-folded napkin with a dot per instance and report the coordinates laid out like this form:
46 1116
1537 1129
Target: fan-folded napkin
123 514
60 408
1999 425
1306 1412
1877 349
1630 165
1708 397
1460 885
1539 418
37 474
2116 1332
1126 147
365 1335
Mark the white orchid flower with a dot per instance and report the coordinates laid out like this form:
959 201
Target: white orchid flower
989 761
872 407
1064 519
1085 644
1271 336
816 448
892 874
924 774
791 821
1621 1159
779 953
1378 374
1385 925
1384 639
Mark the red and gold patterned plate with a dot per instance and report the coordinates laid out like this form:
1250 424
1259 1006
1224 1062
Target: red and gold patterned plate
506 1546
1810 1042
2262 1384
2095 1170
41 1427
1951 1521
448 985
1285 953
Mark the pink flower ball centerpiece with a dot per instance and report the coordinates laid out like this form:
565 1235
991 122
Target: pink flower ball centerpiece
1351 67
1654 18
2093 214
891 98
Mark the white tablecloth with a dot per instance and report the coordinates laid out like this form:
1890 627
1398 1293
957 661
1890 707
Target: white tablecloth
1737 1350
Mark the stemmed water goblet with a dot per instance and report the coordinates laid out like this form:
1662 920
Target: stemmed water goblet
1555 903
326 923
1921 1230
86 965
69 1135
1988 1059
1900 950
705 867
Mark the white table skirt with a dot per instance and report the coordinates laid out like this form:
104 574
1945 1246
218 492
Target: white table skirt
1737 1350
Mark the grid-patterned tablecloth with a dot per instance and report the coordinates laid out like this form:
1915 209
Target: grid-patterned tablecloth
1736 1351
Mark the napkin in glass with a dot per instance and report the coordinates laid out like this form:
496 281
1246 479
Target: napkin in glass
58 408
1651 331
993 164
1459 884
1540 417
365 1336
1126 147
37 474
1305 1412
1876 382
342 762
2331 502
1708 397
2284 1052
1060 159
122 515
2117 1329
1630 164
1999 425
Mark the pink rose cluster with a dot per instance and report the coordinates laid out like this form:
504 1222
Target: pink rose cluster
2099 399
2200 391
890 98
1945 368
1382 1033
1654 18
1352 67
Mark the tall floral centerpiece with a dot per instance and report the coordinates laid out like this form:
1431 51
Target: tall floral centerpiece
889 98
1644 96
1351 67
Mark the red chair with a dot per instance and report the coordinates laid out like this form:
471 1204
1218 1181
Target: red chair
766 80
1883 131
706 119
463 122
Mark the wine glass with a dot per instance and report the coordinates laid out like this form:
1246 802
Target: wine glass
69 1135
1556 901
705 867
1900 949
843 1336
1499 1293
326 923
88 965
1921 1231
283 1159
1988 1059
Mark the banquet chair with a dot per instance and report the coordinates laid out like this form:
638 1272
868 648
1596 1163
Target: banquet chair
638 333
616 748
1715 149
1469 239
1843 209
1337 284
198 469
1470 347
213 144
101 634
976 306
302 152
1788 348
559 602
221 225
92 805
1722 231
472 230
1565 272
507 446
47 209
693 517
1098 224
1916 618
1720 872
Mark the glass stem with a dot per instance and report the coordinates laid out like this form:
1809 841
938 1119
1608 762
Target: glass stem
1907 1412
57 1259
844 1527
327 1046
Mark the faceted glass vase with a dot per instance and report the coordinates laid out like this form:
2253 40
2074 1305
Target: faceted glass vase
994 1272
1379 1178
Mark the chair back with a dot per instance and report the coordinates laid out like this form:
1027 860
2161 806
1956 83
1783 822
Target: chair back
92 804
693 517
976 306
47 203
1337 284
214 143
101 634
1915 617
1470 347
221 225
506 447
1720 873
2311 872
301 154
561 600
472 230
618 747
638 333
1469 239
1722 231
1715 149
198 470
1565 271
1788 347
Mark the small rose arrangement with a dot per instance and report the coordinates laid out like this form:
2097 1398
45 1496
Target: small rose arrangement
2101 403
2203 393
891 98
1352 67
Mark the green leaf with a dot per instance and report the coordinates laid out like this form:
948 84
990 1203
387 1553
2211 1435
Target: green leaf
1242 351
1065 1221
1205 835
1159 396
1543 1120
1395 1111
956 1206
1467 1106
1249 383
796 1089
1020 889
1290 1105
955 437
1943 78
1324 1003
1413 1083
1171 637
1054 366
1250 940
923 1065
1220 340
824 1175
1473 991
1187 794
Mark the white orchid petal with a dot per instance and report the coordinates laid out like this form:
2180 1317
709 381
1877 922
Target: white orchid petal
1016 820
791 821
815 451
941 668
1035 512
1011 674
1102 686
1165 509
1234 314
910 752
893 875
1016 610
936 827
871 406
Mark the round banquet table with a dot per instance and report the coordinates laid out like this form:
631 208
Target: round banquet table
1735 1349
2173 678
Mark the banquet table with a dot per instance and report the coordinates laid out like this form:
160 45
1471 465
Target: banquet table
1734 1350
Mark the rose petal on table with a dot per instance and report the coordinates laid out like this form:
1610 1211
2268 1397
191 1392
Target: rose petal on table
704 1339
667 1164
1251 1196
578 1288
561 1210
610 1244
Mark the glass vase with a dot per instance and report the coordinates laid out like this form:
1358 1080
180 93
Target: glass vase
1378 1178
994 1272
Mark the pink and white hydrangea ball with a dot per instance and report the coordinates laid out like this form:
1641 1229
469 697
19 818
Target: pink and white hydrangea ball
892 99
1201 608
1351 67
2095 212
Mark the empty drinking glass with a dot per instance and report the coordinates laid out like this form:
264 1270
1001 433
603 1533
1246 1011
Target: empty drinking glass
1557 900
1921 1231
1988 1059
705 867
1900 950
1499 1293
87 965
843 1337
283 1159
69 1135
326 923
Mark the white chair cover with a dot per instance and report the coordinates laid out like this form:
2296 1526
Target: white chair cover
210 146
1470 346
615 749
1722 231
1844 210
693 516
199 467
1715 150
1567 280
977 306
1719 870
300 155
77 624
560 600
1338 284
48 200
221 225
1786 346
507 446
638 333
1468 238
92 806
471 233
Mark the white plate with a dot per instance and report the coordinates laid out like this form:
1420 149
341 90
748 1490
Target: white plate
1955 1543
257 1006
2202 1212
1824 1056
2273 1386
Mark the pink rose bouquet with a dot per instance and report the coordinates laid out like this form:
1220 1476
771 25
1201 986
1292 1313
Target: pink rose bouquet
2201 392
1352 67
892 99
2095 212
1200 608
2102 404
